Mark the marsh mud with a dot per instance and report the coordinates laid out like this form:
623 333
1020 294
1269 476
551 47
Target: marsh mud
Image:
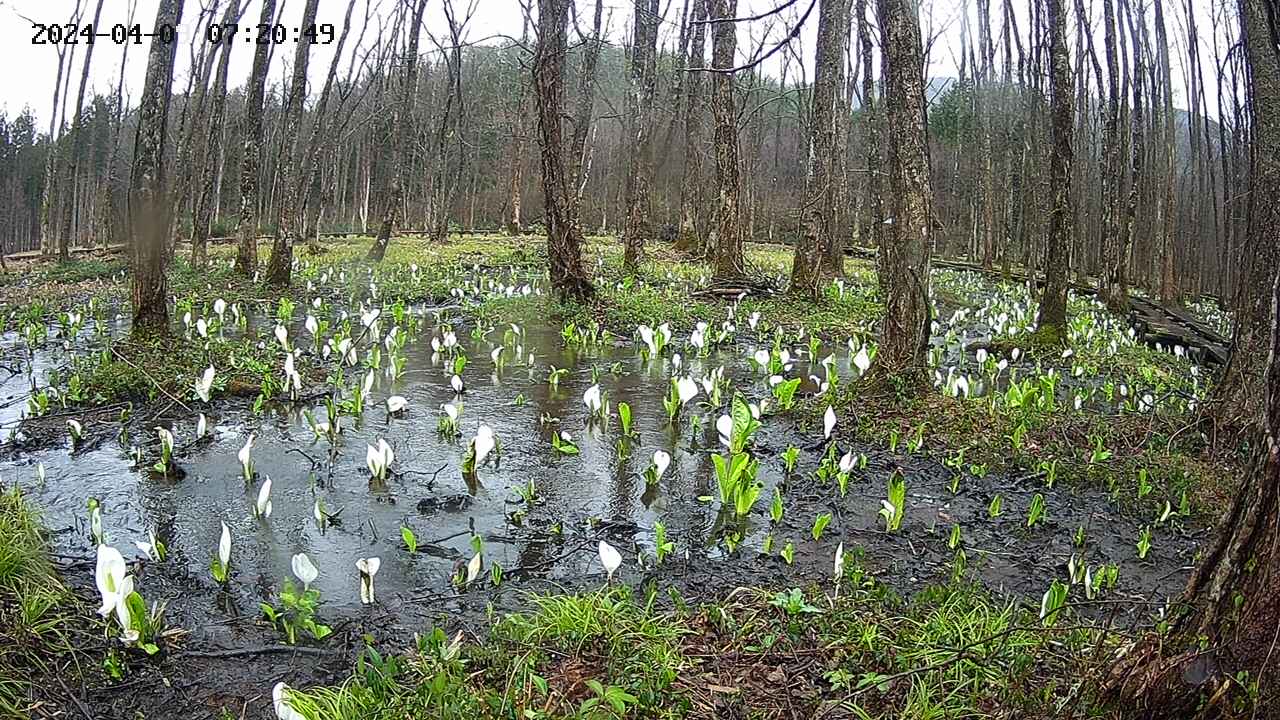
540 514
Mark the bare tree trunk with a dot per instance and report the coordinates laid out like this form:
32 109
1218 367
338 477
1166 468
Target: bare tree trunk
873 203
401 120
569 278
689 238
148 201
579 164
280 269
193 113
247 229
1238 394
1052 326
77 145
203 214
821 181
908 241
644 55
1167 209
47 241
312 177
1113 171
518 129
1227 629
727 239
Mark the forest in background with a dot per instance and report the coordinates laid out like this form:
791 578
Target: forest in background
1159 185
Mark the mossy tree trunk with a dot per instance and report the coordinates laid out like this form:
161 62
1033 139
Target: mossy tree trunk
821 183
1052 326
907 241
569 278
149 207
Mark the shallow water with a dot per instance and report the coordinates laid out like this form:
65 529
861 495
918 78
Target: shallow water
597 493
427 491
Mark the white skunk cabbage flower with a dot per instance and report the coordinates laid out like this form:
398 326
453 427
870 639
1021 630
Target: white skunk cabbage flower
379 458
724 426
262 508
224 546
862 360
686 389
246 458
591 398
281 703
483 443
610 558
661 459
828 422
304 569
204 385
113 580
368 567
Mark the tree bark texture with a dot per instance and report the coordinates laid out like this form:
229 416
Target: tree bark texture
640 128
289 230
907 240
818 211
247 229
728 260
1053 305
569 277
149 208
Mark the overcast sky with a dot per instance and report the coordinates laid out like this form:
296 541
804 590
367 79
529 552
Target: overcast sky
32 68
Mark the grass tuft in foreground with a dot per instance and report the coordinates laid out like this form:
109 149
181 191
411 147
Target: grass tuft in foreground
33 605
952 651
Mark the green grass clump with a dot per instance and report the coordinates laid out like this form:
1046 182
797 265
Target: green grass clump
951 651
33 604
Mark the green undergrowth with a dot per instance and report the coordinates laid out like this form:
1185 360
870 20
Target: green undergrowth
1142 460
950 651
149 369
34 606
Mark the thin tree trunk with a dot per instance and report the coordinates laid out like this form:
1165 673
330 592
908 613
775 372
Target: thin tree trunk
727 241
579 161
1052 326
202 217
77 145
289 231
247 229
401 120
644 53
689 238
